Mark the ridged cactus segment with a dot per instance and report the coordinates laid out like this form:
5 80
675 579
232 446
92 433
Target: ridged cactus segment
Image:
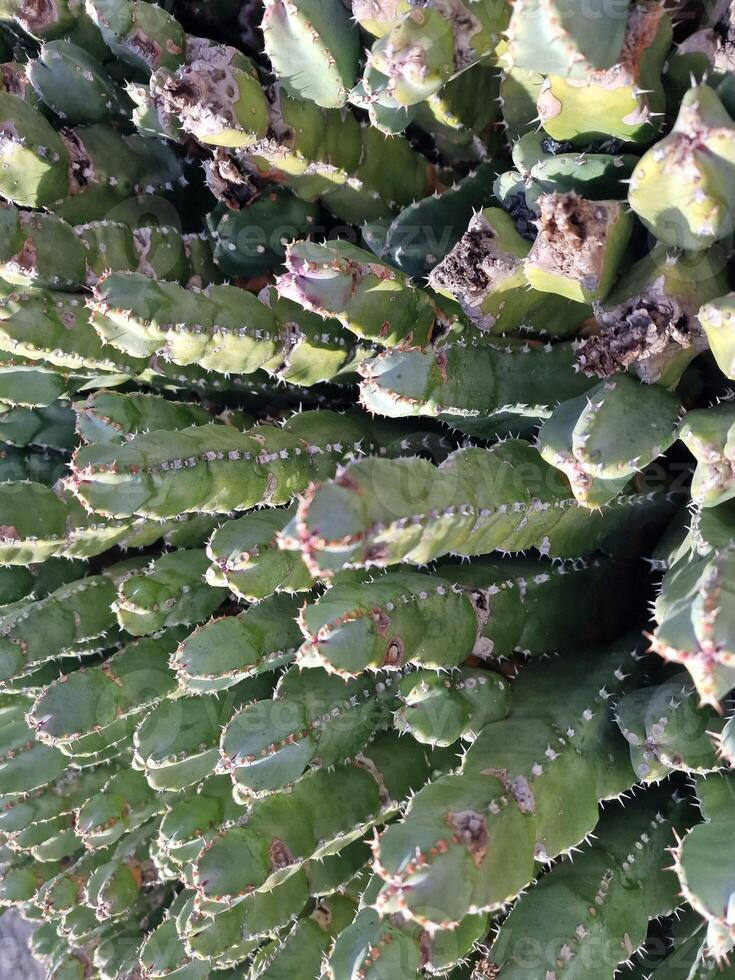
440 708
247 560
225 651
215 469
312 348
379 512
39 249
473 388
305 944
667 730
313 47
485 273
626 100
378 948
425 47
695 629
517 602
72 709
579 248
33 156
252 240
682 193
716 318
110 416
389 622
366 295
592 912
340 805
42 22
233 934
566 38
58 625
604 438
48 427
314 720
25 764
709 434
527 790
171 591
177 742
73 83
125 804
225 329
28 385
143 35
163 954
21 879
648 324
708 885
55 328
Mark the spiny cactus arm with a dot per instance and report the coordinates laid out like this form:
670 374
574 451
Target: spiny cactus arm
72 82
190 822
41 22
272 845
25 383
177 742
424 48
475 502
710 435
602 439
726 741
55 328
472 387
163 955
34 157
225 329
390 622
111 416
125 804
371 299
440 708
663 184
93 698
143 35
694 622
215 469
667 730
381 948
56 625
313 348
602 900
171 591
21 879
569 39
624 101
706 880
314 720
485 273
225 651
305 943
25 764
246 558
313 48
518 600
522 781
48 427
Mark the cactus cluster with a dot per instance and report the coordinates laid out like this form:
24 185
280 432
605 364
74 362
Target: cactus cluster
367 488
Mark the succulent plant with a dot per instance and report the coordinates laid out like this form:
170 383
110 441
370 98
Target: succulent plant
367 488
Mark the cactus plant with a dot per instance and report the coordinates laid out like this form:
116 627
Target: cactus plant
367 528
